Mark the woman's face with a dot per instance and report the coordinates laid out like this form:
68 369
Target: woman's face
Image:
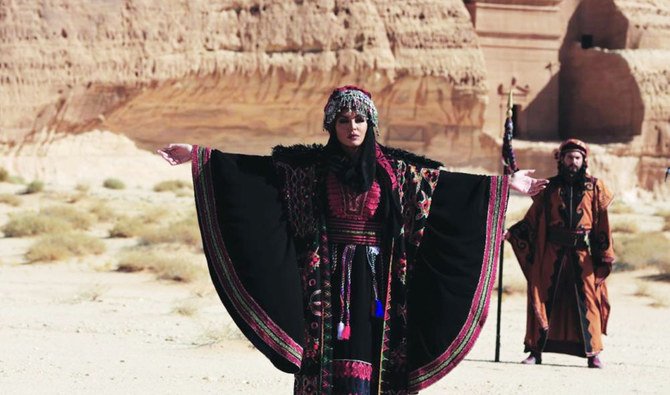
350 129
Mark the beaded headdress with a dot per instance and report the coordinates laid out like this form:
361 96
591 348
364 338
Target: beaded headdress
349 98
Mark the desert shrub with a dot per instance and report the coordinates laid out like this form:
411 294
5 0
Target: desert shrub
154 215
619 207
102 211
78 219
644 290
139 225
128 227
666 226
75 197
29 223
16 180
171 185
183 193
113 183
664 269
643 250
10 199
181 232
167 265
34 187
4 174
220 334
624 226
187 308
55 247
82 188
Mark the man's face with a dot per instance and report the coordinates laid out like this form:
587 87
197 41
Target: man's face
573 161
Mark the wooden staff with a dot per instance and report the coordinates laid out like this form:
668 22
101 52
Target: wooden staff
509 167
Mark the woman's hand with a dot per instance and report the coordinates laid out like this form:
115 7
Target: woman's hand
526 185
176 154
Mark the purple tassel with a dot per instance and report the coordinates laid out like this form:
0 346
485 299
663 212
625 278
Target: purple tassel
379 310
340 330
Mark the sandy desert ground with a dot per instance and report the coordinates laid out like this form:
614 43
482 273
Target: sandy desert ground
79 326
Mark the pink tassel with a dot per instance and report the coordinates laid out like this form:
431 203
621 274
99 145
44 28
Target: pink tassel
346 333
340 330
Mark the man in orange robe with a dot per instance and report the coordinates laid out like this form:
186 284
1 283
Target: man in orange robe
564 247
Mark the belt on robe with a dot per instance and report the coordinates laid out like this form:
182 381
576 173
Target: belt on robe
578 239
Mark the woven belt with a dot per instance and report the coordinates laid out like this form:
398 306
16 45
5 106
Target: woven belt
354 232
566 238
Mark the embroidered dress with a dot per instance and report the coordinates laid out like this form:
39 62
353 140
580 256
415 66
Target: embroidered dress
319 280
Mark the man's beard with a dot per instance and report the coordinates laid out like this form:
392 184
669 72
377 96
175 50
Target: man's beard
570 175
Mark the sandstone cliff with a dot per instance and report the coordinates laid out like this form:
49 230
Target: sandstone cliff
243 75
615 84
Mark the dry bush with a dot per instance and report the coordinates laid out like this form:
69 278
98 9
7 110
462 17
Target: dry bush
171 185
155 215
16 180
128 227
187 308
78 219
91 293
136 260
102 211
113 183
167 265
139 225
643 290
212 336
183 193
643 250
666 226
664 268
184 232
658 302
10 199
29 223
4 175
82 188
624 226
34 187
179 268
619 207
55 247
75 197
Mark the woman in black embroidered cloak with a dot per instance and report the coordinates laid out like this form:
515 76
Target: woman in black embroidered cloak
359 268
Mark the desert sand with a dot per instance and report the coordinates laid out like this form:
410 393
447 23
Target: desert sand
80 326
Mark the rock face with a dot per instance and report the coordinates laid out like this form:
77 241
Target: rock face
520 40
245 75
615 82
242 75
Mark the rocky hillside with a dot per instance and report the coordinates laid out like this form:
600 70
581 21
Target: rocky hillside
230 72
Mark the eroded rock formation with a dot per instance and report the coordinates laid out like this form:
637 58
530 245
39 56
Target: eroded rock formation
246 75
243 75
615 81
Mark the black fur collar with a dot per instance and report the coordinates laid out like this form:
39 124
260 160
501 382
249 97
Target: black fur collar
306 154
399 154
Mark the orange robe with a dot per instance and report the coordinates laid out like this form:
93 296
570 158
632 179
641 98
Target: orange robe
564 247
